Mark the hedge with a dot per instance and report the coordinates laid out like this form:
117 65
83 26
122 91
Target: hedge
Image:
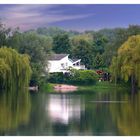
79 77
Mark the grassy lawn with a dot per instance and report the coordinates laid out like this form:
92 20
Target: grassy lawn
48 87
104 85
99 86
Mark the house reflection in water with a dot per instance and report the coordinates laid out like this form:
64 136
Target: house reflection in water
63 107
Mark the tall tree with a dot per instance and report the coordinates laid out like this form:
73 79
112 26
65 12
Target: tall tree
129 61
98 61
84 52
15 39
99 42
61 43
38 47
15 70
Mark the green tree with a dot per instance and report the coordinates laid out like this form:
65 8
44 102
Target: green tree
82 48
51 31
38 47
83 51
99 42
15 39
133 30
128 59
61 43
116 37
98 61
15 70
83 77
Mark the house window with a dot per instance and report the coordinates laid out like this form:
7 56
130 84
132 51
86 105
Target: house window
66 64
62 65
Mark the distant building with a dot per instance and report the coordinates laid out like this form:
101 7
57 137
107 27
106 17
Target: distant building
62 63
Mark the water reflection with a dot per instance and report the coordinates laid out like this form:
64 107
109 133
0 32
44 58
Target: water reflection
78 113
14 110
63 107
127 116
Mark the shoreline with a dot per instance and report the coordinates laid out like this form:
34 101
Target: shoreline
65 88
49 87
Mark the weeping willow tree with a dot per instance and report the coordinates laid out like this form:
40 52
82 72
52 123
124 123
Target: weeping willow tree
127 63
15 70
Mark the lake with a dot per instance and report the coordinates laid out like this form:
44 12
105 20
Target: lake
88 113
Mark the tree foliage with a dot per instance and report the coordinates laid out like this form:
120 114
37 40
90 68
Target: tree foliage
78 77
82 49
95 48
61 43
83 77
15 70
51 31
38 47
127 63
98 61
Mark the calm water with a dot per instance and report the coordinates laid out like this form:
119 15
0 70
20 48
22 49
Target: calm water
76 113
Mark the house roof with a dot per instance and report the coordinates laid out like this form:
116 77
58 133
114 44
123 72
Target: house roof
75 60
57 56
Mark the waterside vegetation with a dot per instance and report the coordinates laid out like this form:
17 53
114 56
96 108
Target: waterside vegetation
24 55
15 70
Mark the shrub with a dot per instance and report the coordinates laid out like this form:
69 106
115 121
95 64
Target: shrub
79 77
56 77
83 77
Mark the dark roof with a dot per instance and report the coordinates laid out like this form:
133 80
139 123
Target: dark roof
74 59
57 56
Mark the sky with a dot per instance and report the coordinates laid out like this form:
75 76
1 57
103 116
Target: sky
78 17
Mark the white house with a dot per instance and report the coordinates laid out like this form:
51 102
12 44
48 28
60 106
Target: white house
62 62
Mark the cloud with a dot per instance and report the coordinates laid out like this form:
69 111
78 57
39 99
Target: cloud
30 16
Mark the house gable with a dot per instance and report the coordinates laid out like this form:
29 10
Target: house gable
61 63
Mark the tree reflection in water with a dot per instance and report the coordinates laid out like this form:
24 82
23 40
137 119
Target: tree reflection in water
14 110
76 113
127 116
